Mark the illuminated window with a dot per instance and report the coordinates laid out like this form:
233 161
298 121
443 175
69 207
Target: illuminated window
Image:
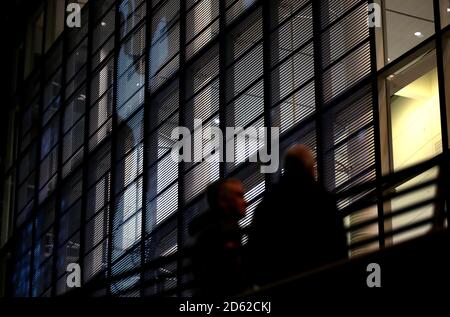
415 135
407 23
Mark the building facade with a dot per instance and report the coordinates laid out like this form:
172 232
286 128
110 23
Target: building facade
89 176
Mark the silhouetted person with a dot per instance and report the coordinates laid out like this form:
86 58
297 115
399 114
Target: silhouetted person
296 227
439 206
217 254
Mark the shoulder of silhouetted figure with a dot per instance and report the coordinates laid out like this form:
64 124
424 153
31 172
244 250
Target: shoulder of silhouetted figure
296 216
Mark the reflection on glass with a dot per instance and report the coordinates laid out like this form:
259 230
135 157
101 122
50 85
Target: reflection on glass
160 46
445 13
248 3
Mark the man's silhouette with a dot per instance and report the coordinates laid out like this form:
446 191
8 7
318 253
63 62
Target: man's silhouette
217 258
296 227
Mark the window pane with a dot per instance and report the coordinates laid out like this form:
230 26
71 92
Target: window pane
407 24
33 46
445 13
164 44
202 25
55 21
415 135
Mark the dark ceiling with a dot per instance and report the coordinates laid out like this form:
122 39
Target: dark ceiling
13 20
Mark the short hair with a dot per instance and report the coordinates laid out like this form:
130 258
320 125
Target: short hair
215 190
299 160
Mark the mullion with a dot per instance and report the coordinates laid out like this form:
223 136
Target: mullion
37 175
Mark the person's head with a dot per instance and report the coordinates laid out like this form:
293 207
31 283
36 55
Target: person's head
227 196
300 161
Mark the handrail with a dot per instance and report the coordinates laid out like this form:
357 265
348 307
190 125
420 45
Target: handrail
387 184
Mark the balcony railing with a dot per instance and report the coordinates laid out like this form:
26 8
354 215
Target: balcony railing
385 190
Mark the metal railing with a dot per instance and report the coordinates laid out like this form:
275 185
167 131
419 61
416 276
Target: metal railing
389 188
367 192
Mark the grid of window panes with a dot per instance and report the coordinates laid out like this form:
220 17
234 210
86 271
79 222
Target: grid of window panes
96 184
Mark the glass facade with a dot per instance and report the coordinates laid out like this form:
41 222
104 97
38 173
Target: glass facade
93 181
